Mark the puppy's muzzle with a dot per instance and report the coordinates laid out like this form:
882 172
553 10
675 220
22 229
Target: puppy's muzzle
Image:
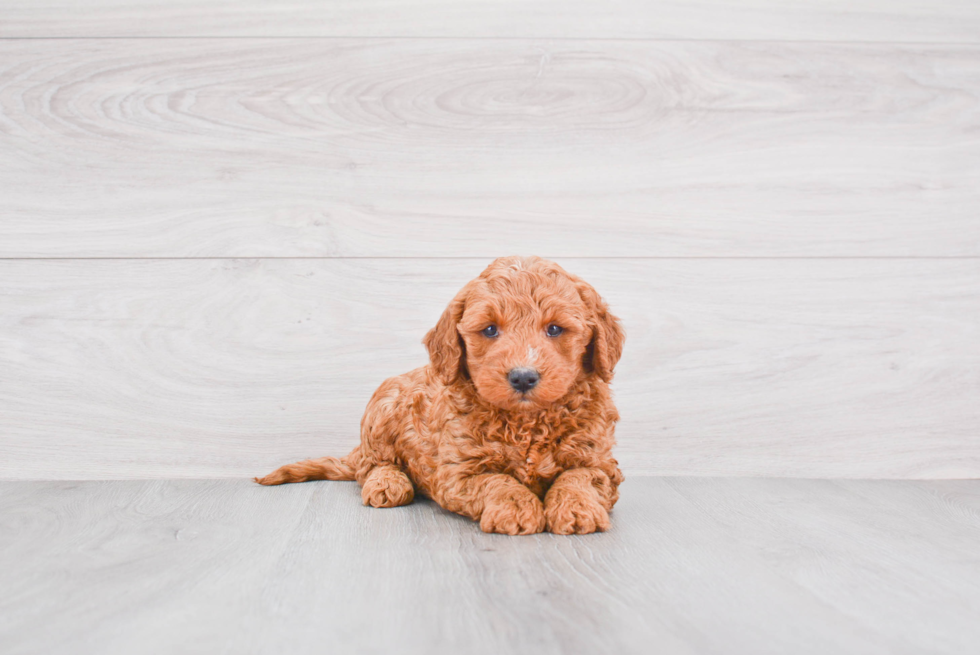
523 379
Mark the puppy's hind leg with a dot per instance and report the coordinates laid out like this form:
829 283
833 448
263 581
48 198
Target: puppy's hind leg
386 485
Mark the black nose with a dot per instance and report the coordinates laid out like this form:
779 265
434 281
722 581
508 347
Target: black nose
523 379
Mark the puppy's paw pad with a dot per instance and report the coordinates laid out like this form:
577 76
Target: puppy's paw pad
513 515
576 515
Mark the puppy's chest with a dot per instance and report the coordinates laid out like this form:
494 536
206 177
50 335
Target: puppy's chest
533 459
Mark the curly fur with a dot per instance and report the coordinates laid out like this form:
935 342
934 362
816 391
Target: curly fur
459 433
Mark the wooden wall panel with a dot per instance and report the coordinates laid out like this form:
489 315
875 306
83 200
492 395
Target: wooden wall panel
803 20
367 148
226 368
223 223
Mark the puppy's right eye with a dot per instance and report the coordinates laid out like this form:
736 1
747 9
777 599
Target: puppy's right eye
490 331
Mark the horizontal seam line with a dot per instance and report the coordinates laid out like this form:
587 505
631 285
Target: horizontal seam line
498 38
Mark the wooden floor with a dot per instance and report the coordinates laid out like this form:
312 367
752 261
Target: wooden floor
691 565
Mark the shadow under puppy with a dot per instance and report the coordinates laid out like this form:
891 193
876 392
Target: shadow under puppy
511 423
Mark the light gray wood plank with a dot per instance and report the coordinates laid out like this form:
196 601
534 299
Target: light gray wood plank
227 368
860 20
212 147
690 565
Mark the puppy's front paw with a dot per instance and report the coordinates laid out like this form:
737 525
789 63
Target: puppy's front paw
576 513
513 513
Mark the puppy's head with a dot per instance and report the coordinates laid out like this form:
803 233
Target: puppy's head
524 331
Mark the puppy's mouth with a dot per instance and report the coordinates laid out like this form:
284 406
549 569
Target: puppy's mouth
525 400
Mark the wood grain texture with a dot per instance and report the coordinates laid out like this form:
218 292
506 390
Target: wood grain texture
690 566
228 368
216 147
858 20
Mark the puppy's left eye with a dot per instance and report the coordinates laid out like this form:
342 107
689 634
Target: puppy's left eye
490 331
554 330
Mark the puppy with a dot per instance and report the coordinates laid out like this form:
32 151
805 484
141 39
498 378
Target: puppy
512 421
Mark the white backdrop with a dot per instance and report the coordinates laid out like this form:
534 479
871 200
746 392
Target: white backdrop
213 249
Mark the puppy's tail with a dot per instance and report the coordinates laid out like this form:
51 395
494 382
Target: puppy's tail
323 468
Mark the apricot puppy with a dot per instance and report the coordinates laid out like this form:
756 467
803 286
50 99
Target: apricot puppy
511 423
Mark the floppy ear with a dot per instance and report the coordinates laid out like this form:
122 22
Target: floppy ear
447 352
606 346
